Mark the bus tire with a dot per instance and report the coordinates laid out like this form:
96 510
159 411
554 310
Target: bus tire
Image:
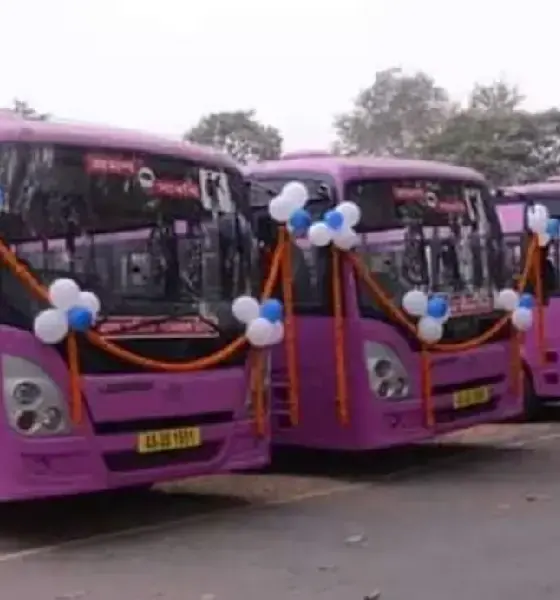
532 406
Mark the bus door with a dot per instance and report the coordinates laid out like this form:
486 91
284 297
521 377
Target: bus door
310 276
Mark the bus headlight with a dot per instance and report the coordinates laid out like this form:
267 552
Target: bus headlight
26 393
35 405
388 378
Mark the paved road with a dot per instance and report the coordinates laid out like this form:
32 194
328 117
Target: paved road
475 518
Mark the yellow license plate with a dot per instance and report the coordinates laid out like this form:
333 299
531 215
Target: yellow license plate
472 397
168 439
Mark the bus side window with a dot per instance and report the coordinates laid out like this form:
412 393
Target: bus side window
549 270
310 278
548 259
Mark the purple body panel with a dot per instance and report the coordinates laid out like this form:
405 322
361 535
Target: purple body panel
16 129
89 460
97 456
544 370
360 166
376 423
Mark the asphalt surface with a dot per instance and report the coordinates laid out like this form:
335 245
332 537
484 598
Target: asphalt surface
473 517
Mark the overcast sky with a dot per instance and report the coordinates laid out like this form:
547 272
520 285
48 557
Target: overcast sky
160 65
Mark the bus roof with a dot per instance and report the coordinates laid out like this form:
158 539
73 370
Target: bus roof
361 166
15 128
543 189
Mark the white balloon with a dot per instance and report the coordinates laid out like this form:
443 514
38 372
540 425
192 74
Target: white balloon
277 333
90 301
507 299
146 178
295 193
51 326
346 239
430 330
522 319
537 218
415 303
245 309
351 213
260 332
64 293
544 239
281 208
319 234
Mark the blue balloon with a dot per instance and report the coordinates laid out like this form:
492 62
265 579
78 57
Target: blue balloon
272 310
553 227
334 220
526 301
79 318
299 221
437 307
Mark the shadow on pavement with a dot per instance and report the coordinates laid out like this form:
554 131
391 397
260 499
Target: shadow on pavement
41 523
414 461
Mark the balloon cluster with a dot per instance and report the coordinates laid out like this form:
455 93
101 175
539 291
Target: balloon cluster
73 310
519 306
432 312
540 223
336 226
264 326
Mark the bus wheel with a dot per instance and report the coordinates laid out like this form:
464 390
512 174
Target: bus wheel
532 407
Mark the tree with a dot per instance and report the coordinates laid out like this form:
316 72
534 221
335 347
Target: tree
238 133
395 116
497 98
496 137
24 110
496 145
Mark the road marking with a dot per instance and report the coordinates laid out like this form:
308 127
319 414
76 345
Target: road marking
296 498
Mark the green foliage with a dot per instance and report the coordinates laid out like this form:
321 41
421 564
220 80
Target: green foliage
238 133
410 115
394 116
24 110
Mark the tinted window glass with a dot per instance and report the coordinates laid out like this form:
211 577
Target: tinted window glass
386 204
442 236
310 266
149 234
47 187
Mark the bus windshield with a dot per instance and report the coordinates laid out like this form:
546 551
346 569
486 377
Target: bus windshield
439 235
150 234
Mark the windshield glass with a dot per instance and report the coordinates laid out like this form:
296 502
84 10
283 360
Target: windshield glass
512 213
441 236
153 235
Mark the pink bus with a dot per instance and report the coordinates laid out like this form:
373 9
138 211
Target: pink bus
542 377
160 231
423 225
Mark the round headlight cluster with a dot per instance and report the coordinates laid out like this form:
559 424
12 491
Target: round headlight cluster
26 393
31 414
389 381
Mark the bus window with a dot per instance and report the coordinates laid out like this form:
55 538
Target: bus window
310 265
436 235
